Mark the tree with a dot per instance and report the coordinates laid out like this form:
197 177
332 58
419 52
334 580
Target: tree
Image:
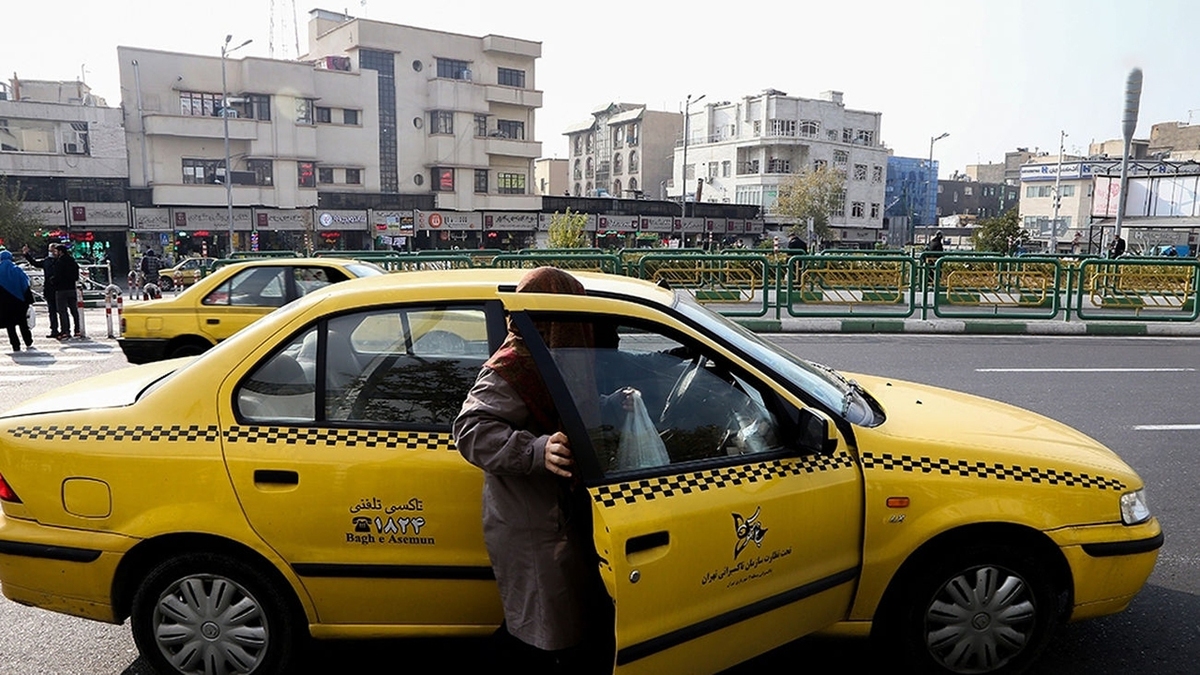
568 230
813 194
18 227
1002 234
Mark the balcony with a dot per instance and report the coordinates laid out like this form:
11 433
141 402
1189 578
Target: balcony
528 98
187 126
510 148
462 95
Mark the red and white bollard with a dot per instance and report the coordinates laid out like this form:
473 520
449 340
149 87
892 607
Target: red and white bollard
111 292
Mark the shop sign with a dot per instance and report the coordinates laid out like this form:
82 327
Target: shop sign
448 220
341 220
151 220
210 219
511 221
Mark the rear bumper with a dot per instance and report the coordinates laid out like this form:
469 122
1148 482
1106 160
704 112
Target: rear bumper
143 350
58 569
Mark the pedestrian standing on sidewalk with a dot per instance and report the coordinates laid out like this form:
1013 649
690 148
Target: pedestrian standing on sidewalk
66 276
15 298
48 291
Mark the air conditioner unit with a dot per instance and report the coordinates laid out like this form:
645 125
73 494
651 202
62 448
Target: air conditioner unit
466 74
72 149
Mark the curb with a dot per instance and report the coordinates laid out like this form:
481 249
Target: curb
969 327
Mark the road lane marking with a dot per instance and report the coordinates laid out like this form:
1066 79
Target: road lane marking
18 379
1085 370
1166 427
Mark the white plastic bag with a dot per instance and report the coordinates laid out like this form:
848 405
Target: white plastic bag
31 317
640 446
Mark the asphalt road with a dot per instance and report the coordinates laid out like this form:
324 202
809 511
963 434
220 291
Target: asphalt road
1110 388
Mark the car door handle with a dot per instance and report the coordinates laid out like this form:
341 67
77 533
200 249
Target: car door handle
275 477
647 542
212 322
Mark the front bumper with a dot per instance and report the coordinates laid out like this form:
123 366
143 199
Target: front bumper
143 350
1109 564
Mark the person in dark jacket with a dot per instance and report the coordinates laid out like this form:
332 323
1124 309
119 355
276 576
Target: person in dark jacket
48 291
15 299
936 243
66 276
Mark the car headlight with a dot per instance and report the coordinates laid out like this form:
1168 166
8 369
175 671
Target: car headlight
1134 508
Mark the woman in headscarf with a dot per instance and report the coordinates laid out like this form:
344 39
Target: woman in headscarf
15 298
536 519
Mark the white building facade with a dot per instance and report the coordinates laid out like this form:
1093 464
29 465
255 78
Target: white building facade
745 150
624 151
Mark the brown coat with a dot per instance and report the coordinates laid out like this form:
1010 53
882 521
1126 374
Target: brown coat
535 525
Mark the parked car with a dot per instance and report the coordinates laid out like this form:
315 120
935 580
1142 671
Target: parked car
224 302
184 274
304 472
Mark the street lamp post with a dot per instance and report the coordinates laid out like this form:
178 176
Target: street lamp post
683 169
932 182
225 51
1057 194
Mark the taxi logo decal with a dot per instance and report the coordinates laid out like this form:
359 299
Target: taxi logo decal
747 530
700 481
996 471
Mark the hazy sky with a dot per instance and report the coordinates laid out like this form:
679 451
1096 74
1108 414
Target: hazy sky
995 75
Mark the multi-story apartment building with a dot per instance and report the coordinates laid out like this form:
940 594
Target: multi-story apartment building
1072 179
961 196
1008 172
378 121
745 150
65 151
551 176
624 151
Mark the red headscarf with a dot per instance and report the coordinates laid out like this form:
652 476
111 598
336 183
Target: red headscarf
514 363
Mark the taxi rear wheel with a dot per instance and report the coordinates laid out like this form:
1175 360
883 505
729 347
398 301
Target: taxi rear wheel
206 614
981 609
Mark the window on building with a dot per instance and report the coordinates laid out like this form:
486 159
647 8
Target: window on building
1067 190
618 163
841 158
254 106
454 69
481 125
877 174
591 168
748 167
1046 191
777 165
689 172
858 209
441 122
443 180
632 133
874 210
713 168
1030 191
350 117
633 185
324 175
591 141
968 191
864 137
633 161
618 136
847 135
577 142
839 207
323 115
617 188
306 174
510 77
725 168
748 194
819 164
262 169
831 134
513 129
481 181
783 127
757 128
353 176
860 172
510 183
577 172
809 128
304 111
199 104
202 171
578 191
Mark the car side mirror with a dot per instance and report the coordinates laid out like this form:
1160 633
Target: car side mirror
817 432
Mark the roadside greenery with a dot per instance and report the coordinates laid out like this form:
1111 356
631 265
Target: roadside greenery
1002 234
18 227
813 194
568 230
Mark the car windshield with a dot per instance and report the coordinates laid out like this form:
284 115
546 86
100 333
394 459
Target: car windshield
842 395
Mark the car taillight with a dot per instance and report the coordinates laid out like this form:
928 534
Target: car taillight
6 492
122 325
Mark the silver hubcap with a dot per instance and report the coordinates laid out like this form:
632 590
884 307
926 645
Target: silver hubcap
980 620
210 625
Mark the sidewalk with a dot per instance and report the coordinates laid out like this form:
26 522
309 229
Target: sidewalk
973 326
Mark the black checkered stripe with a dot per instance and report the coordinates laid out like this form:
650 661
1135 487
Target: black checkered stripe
700 481
391 440
120 432
996 471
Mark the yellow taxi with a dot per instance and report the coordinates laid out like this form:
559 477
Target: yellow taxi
300 480
187 272
224 302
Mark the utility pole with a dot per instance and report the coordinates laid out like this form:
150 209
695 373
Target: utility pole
1057 194
228 180
683 169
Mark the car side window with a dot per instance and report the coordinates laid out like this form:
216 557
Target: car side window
254 287
411 366
281 389
309 279
699 408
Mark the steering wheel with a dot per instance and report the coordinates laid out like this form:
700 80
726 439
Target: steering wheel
681 386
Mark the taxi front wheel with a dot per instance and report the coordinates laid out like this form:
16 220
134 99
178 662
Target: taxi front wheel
982 609
205 613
